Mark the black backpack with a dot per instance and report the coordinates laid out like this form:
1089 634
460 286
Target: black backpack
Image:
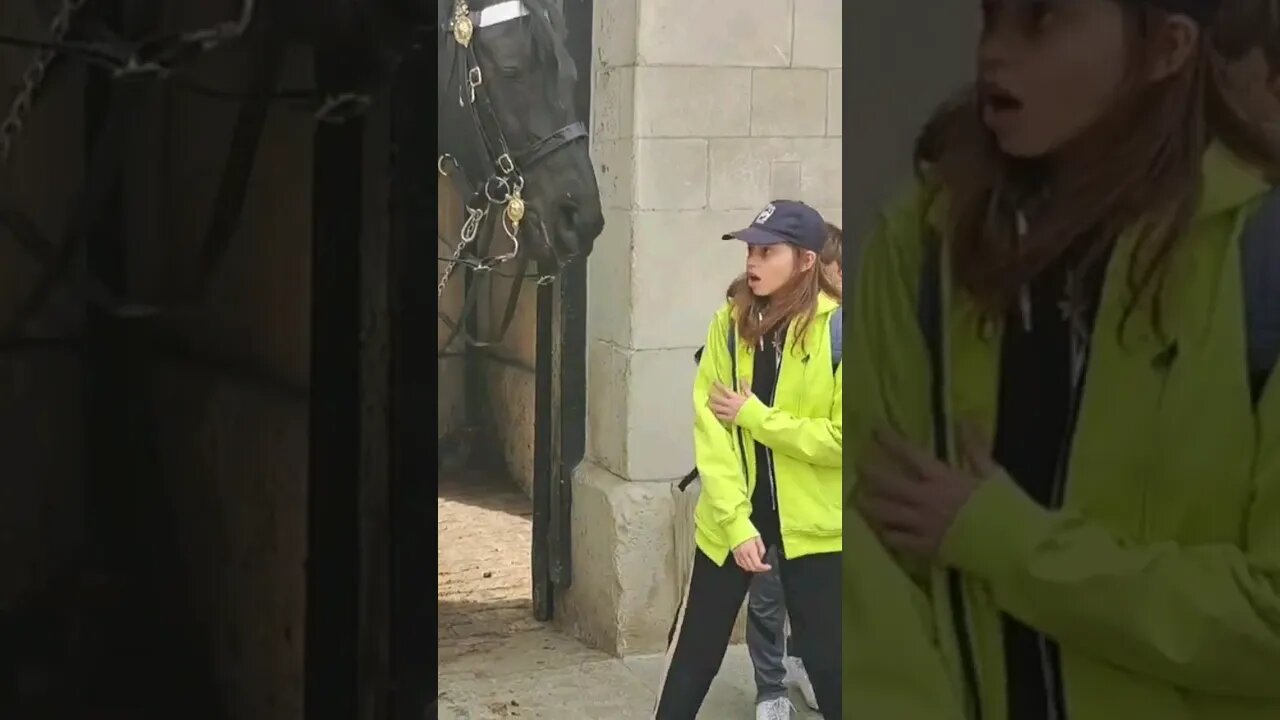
837 351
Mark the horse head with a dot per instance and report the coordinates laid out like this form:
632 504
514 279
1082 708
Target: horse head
508 124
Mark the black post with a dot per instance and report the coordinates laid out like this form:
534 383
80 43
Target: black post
413 376
573 328
333 497
545 452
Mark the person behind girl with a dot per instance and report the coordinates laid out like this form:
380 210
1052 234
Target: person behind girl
1100 536
769 645
1246 35
768 642
832 258
767 441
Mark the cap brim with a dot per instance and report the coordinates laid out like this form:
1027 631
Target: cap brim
755 236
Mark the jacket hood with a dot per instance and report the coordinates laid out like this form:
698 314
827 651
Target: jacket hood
1228 183
826 304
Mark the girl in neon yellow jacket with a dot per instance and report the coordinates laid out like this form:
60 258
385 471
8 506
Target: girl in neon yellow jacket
1100 536
768 445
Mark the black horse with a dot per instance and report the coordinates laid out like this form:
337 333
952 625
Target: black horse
509 136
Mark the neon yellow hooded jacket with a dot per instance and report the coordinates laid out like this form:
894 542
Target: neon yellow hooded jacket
803 429
1160 576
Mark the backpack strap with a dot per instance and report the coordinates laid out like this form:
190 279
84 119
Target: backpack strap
733 369
1260 276
837 338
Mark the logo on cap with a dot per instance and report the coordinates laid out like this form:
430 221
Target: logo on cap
765 214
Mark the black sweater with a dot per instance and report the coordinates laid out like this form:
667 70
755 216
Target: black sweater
764 499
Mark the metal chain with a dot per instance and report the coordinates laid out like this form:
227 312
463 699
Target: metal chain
33 78
448 270
467 235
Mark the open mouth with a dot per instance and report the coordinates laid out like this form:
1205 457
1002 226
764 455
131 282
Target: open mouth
997 99
752 277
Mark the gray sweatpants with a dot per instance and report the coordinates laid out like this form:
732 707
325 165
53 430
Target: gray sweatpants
766 630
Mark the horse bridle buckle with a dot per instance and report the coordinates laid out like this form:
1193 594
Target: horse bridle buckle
505 164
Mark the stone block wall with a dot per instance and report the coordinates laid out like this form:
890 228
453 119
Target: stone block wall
703 112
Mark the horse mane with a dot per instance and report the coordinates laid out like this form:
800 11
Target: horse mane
549 42
550 33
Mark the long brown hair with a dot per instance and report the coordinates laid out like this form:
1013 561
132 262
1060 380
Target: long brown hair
1147 181
796 300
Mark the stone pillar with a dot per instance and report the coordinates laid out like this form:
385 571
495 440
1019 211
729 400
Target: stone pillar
703 112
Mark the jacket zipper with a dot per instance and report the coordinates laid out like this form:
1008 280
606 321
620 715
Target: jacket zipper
964 642
1048 673
742 450
1078 340
768 452
1052 673
955 581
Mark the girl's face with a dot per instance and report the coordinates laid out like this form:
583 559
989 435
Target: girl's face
769 267
1048 70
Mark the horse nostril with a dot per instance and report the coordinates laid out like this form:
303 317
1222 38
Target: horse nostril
569 214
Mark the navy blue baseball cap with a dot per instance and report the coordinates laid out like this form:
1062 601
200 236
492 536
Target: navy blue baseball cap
785 221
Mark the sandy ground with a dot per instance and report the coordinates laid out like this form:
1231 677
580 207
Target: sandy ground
485 532
496 661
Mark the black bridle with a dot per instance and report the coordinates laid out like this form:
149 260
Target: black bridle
496 178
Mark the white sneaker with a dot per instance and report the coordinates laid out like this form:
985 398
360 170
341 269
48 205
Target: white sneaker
797 676
779 708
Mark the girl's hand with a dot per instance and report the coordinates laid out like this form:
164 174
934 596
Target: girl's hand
726 403
910 498
750 556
